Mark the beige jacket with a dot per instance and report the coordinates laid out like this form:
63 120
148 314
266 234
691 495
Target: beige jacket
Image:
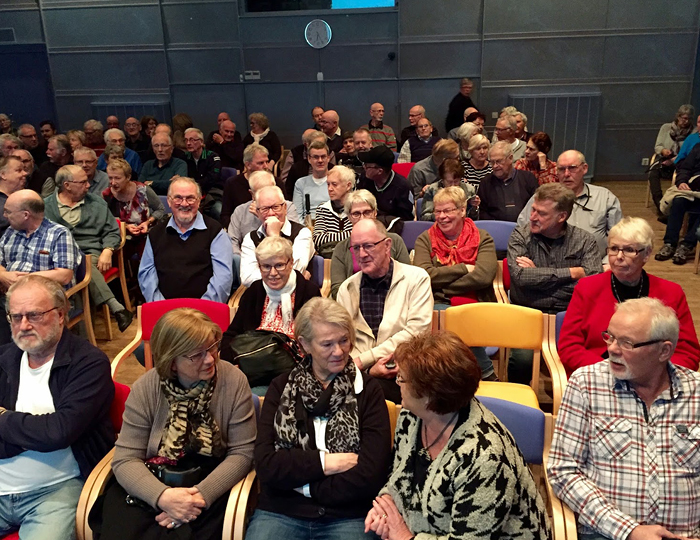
408 311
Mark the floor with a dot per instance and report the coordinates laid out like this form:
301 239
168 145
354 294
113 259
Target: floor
632 197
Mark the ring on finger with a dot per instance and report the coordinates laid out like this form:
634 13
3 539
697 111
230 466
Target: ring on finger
384 516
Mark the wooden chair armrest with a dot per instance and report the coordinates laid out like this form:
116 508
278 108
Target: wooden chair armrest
236 298
326 287
126 351
247 501
231 505
499 289
93 488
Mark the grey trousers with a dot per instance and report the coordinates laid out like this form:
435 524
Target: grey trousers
99 290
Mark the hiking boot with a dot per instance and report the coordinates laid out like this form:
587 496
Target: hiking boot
682 254
666 252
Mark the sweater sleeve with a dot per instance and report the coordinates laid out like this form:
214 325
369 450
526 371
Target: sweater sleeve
339 270
155 205
687 351
327 228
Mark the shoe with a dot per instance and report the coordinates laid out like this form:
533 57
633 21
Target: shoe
682 254
665 253
124 319
662 219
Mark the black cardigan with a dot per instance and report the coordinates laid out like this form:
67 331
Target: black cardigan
250 309
343 495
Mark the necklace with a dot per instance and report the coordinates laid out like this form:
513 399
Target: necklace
424 452
617 295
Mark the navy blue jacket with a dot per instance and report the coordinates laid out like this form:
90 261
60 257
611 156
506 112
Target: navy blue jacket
82 390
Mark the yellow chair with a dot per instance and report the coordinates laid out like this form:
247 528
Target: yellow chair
236 299
83 275
489 324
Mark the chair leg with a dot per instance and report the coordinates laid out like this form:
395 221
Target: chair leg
697 257
87 317
108 322
648 201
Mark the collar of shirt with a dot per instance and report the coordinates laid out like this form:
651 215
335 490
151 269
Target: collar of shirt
383 282
68 206
167 163
386 185
286 228
675 389
197 224
380 124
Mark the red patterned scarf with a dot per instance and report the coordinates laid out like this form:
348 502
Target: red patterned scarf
451 252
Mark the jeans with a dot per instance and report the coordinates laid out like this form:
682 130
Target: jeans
520 366
657 173
44 514
267 525
680 206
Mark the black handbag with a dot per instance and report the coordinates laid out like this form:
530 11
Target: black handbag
262 355
176 476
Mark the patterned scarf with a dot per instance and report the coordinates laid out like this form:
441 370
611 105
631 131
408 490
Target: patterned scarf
304 396
190 427
463 250
678 135
281 297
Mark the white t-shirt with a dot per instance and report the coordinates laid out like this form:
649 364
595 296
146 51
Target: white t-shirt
32 470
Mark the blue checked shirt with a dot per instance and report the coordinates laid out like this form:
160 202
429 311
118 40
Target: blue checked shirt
51 246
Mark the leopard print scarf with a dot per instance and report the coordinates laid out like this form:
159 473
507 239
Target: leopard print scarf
190 427
304 396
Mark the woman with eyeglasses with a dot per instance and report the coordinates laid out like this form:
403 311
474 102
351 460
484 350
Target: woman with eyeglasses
536 160
187 439
324 443
457 471
271 303
332 224
630 244
360 204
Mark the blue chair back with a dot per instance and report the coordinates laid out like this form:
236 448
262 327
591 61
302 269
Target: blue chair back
526 424
499 230
76 306
396 157
412 230
557 324
317 270
164 200
256 406
419 207
228 172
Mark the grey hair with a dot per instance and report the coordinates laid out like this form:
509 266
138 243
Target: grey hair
512 123
276 190
274 246
65 174
663 321
578 154
508 110
170 139
253 149
466 80
686 109
318 311
196 131
85 150
359 196
633 229
311 135
185 180
345 174
5 162
9 137
466 130
94 124
52 287
63 143
260 179
502 146
113 130
523 116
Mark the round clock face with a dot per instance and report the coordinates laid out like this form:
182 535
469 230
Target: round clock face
318 33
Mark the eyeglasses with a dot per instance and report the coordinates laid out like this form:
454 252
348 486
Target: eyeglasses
400 378
193 140
499 162
82 182
34 317
367 247
423 126
179 199
627 251
200 356
131 124
446 212
279 267
626 344
273 207
82 162
502 129
363 214
570 168
366 166
161 146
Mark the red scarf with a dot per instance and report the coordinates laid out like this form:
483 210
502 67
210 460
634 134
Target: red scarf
450 252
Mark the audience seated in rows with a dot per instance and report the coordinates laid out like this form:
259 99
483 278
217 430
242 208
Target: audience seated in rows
595 298
382 135
332 223
506 128
192 412
271 209
312 190
420 145
158 172
188 256
296 164
87 217
86 159
324 440
425 172
451 174
620 479
452 453
389 303
55 397
236 188
217 136
360 204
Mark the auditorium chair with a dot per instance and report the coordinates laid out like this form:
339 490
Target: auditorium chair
83 276
118 271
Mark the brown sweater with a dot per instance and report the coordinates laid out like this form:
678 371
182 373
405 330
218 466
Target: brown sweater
456 280
144 422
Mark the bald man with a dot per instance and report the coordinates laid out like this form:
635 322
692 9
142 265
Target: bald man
136 139
228 145
216 136
381 133
415 113
329 125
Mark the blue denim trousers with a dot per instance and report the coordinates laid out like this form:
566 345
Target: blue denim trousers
267 525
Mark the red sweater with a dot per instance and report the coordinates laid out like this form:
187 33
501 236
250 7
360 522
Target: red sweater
592 306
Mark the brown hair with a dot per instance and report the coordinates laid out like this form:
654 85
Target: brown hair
440 367
562 196
542 141
451 166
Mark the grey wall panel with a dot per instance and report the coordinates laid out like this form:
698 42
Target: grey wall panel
201 23
652 14
89 26
358 62
448 59
109 71
546 58
352 101
638 56
283 64
25 23
204 65
435 96
73 111
288 106
204 103
505 16
620 152
644 102
449 17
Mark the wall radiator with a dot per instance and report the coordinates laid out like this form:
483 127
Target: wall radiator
160 109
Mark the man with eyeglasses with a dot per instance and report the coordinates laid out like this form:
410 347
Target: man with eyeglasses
32 171
136 139
381 133
389 302
159 172
415 113
86 159
94 135
27 134
227 145
625 453
88 218
205 167
13 177
506 130
312 190
271 209
116 136
596 209
55 397
419 145
58 151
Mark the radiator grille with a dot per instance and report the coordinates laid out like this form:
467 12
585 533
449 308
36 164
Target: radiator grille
159 109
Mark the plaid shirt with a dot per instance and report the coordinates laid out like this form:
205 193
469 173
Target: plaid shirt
619 464
50 246
372 297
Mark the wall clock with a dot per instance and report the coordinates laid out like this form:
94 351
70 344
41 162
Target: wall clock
318 33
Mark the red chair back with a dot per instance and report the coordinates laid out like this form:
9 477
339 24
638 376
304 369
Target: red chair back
506 275
151 312
11 536
402 168
116 411
461 300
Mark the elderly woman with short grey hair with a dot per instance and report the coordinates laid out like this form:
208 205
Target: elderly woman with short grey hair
260 133
332 223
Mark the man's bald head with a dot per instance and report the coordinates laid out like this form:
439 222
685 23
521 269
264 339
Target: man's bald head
164 128
329 122
26 199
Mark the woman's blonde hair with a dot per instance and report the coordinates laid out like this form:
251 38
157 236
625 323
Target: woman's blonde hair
322 310
177 333
120 164
633 229
478 140
454 194
274 246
